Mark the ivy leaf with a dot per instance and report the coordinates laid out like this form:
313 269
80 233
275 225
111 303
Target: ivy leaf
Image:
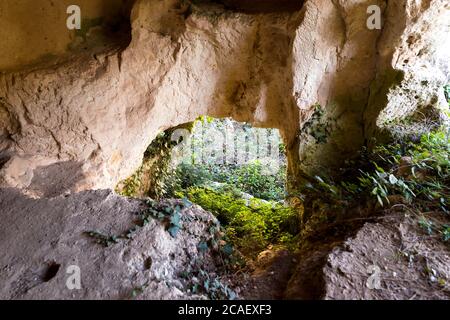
227 249
446 233
173 230
203 246
187 203
231 294
175 219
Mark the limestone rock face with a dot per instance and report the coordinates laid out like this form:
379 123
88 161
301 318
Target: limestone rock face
413 64
33 31
96 114
50 237
371 266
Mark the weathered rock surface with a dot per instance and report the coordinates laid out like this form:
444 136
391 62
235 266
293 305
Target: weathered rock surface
41 238
408 264
390 258
99 112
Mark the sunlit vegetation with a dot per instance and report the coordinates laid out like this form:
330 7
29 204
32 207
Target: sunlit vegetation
414 175
254 208
248 201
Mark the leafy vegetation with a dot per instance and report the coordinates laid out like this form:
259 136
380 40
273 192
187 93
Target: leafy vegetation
200 281
247 178
153 178
167 213
414 174
249 224
242 196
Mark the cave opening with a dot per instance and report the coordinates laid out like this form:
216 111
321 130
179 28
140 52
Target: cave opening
231 169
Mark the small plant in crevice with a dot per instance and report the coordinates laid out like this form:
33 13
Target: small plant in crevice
250 225
137 291
103 239
318 126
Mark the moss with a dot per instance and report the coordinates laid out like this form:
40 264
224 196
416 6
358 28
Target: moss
252 224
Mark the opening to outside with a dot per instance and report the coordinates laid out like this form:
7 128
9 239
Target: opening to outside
229 168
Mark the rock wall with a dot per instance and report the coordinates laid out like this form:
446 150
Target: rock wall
94 114
35 31
149 265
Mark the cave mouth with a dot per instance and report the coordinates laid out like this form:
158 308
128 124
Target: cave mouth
215 153
224 154
229 168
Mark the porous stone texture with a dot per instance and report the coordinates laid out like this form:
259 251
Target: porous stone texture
41 238
408 264
100 111
413 65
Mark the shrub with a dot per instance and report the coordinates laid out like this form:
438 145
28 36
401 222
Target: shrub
417 171
248 178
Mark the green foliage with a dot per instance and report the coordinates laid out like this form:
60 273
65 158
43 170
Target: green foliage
417 172
103 239
160 149
427 225
153 178
385 184
200 281
430 169
428 180
447 93
167 213
250 225
188 175
318 126
248 178
446 233
138 290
